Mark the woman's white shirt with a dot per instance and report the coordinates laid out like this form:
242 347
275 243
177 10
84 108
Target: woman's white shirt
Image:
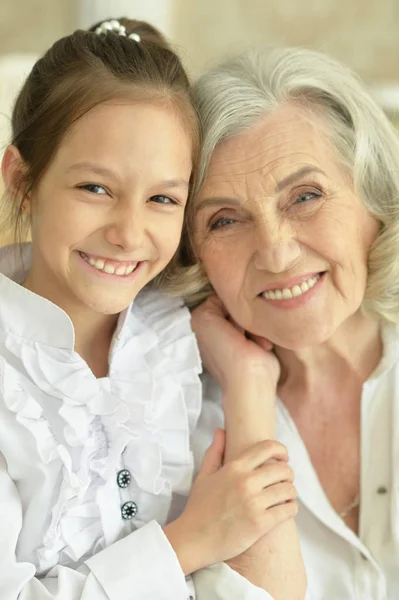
339 564
78 453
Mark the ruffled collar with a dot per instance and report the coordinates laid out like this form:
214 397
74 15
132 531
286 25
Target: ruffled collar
145 410
28 315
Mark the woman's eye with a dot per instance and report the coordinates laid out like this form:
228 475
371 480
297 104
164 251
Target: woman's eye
222 222
306 196
159 199
93 188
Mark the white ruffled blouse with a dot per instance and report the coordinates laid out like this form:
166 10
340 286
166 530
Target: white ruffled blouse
92 460
90 469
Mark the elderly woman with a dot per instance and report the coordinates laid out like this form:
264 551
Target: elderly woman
296 234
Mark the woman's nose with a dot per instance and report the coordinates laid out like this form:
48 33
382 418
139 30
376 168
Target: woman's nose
277 249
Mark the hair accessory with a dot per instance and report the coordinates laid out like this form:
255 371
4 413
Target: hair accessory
118 28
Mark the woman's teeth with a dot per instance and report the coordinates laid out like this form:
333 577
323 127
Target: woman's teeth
296 290
107 267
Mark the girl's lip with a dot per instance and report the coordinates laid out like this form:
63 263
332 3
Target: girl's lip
289 283
111 261
111 276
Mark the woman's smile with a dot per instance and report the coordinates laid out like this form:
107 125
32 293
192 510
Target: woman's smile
295 295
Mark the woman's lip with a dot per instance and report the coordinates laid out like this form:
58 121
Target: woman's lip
296 301
289 283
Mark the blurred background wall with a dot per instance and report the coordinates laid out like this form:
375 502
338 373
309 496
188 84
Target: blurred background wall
362 33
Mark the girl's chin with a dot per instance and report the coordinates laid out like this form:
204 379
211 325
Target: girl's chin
106 308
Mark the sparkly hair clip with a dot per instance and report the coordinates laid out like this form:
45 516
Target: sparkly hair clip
118 28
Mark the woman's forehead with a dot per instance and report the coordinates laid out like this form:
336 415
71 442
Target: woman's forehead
290 134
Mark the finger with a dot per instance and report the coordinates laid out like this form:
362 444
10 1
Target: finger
236 325
279 493
261 452
277 515
213 458
212 307
262 342
270 474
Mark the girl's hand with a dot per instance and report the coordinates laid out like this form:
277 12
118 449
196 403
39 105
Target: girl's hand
227 352
232 506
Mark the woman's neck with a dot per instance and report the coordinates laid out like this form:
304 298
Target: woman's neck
355 348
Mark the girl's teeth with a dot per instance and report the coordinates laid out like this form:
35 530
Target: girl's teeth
296 290
101 265
109 269
120 270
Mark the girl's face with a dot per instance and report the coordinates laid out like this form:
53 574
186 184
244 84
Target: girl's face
108 213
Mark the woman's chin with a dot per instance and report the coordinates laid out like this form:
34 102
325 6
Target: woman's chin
300 339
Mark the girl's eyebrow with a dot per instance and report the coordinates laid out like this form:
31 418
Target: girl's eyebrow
86 166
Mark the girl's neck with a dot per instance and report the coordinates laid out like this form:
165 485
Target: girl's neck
93 331
356 348
93 337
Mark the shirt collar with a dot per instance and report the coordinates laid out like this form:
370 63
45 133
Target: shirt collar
28 315
390 350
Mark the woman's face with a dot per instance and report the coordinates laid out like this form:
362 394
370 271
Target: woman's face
281 233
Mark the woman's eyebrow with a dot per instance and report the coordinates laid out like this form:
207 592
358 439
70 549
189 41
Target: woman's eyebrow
297 175
217 201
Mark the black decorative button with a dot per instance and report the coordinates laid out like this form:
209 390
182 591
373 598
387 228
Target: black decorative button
129 510
382 490
123 478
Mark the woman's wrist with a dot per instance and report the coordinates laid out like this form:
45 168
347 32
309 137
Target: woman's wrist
249 408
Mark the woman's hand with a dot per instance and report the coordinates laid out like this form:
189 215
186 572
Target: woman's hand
226 351
232 506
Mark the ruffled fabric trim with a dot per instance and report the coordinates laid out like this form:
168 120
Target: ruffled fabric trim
146 410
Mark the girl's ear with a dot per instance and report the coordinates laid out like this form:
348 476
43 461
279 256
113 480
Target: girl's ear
13 168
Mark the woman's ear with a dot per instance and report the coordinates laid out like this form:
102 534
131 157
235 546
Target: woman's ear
13 168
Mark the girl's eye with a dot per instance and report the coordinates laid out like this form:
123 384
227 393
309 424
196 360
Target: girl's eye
222 222
159 199
93 188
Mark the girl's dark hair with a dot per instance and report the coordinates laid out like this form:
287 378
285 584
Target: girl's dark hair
81 71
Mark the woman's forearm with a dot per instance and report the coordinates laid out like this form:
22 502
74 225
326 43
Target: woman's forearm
275 562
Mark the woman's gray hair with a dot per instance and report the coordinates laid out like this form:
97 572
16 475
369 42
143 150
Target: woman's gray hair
241 91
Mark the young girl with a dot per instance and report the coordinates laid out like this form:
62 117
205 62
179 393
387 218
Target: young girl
99 388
